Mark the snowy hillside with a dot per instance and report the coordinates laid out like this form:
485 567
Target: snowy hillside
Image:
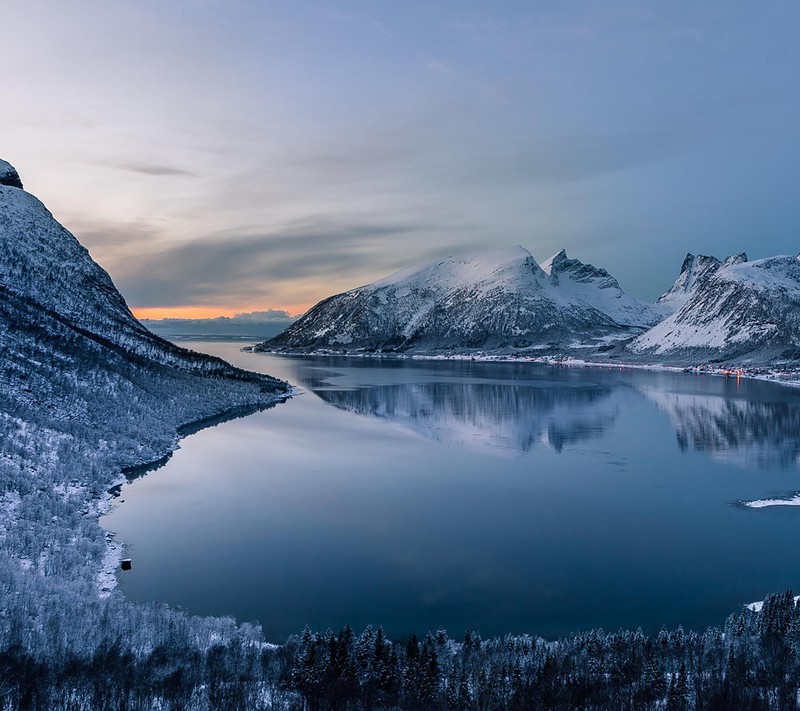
86 393
747 312
498 300
696 270
45 265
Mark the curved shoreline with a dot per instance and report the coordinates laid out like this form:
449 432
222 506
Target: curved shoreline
107 576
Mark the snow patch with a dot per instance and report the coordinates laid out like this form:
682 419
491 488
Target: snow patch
758 606
793 500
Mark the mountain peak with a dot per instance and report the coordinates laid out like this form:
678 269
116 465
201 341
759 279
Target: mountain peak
552 264
560 263
9 175
736 309
474 267
740 258
695 270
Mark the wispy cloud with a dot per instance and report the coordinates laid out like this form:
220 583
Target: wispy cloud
151 169
440 67
269 267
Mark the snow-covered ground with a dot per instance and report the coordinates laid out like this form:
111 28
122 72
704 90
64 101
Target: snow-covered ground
793 500
759 605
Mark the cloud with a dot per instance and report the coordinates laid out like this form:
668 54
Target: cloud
151 169
111 242
294 265
440 67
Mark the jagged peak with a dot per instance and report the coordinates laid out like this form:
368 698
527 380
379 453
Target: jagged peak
688 260
578 271
556 259
9 175
699 259
694 270
735 259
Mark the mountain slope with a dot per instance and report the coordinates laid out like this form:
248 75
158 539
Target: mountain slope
43 264
695 271
494 300
748 312
85 393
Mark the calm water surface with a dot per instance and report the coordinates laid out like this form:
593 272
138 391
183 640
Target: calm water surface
497 497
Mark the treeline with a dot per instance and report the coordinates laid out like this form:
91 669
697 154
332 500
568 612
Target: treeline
752 663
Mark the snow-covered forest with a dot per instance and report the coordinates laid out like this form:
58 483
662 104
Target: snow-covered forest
112 655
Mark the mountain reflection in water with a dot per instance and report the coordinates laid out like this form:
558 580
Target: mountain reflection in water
520 409
761 434
486 416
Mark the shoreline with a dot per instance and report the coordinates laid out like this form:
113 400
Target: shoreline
107 577
770 375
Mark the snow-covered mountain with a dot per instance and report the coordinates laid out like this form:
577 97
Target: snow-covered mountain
46 268
86 392
594 286
738 311
497 300
696 270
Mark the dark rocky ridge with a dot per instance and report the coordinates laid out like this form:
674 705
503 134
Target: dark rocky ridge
9 175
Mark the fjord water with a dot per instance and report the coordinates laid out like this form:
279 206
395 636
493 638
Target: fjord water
453 494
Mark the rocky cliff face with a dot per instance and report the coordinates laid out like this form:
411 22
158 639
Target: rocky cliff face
695 271
9 175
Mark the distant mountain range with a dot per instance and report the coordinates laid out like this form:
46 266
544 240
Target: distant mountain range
504 303
256 325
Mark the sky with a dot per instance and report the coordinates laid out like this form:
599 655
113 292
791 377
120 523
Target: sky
221 156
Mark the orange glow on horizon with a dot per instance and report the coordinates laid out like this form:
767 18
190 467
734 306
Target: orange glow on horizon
159 312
